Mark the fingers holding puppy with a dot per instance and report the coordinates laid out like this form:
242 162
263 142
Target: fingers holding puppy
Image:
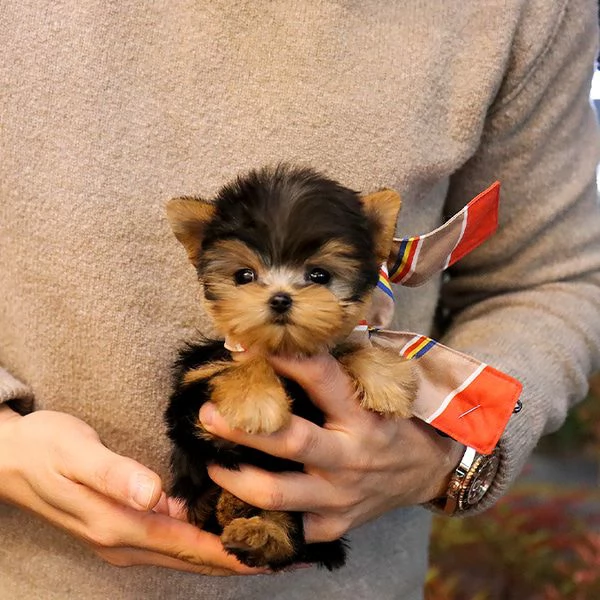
300 441
326 382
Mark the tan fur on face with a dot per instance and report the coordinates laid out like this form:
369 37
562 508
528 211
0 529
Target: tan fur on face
336 257
316 320
318 317
228 256
385 382
250 397
382 208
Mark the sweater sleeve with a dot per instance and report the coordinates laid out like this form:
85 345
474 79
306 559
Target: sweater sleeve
15 393
528 301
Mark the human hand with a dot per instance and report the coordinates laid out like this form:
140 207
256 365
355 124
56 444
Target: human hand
357 467
55 466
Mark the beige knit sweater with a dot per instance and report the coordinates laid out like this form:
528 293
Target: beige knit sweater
108 109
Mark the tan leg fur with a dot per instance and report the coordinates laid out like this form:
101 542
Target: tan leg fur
205 371
386 383
250 397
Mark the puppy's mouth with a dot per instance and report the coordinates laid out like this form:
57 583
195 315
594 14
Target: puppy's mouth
284 319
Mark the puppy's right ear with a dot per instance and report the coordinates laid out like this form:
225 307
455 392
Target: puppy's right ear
188 218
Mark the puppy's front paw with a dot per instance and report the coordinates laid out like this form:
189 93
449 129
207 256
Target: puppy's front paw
257 412
258 541
392 397
250 397
386 383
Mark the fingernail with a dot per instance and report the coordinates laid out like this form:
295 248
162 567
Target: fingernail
207 413
142 490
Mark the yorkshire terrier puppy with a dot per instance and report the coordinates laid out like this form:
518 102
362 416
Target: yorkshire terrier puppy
288 260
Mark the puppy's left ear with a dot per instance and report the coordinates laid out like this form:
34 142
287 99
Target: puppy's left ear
382 210
189 218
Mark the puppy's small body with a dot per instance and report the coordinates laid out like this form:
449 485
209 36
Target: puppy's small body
288 260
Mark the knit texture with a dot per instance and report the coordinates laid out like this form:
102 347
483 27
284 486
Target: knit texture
108 109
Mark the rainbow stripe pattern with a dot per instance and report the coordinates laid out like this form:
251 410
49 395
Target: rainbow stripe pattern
416 259
469 400
417 347
406 259
384 282
459 395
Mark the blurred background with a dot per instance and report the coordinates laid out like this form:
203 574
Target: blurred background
542 540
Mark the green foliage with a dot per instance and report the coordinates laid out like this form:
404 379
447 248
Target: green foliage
536 544
540 542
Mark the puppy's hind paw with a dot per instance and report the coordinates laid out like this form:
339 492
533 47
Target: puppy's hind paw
258 542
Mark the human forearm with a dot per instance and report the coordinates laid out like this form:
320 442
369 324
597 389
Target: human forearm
526 335
528 301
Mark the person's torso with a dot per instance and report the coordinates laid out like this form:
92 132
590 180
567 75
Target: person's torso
108 110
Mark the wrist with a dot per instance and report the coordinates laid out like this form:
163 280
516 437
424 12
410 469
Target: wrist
454 455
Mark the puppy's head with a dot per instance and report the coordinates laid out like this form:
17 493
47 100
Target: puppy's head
288 258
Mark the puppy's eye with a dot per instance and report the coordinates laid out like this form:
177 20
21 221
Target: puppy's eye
244 276
320 276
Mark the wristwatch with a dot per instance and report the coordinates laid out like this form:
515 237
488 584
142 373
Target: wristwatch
469 483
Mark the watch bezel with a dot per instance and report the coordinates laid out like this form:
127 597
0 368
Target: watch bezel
481 463
456 499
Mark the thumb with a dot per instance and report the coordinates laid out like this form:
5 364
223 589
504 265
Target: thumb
115 476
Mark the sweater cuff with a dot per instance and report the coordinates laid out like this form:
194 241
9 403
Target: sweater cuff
16 394
516 446
518 441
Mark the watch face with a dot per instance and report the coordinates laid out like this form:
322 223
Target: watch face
482 479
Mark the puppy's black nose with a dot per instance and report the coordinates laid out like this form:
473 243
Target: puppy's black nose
280 302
